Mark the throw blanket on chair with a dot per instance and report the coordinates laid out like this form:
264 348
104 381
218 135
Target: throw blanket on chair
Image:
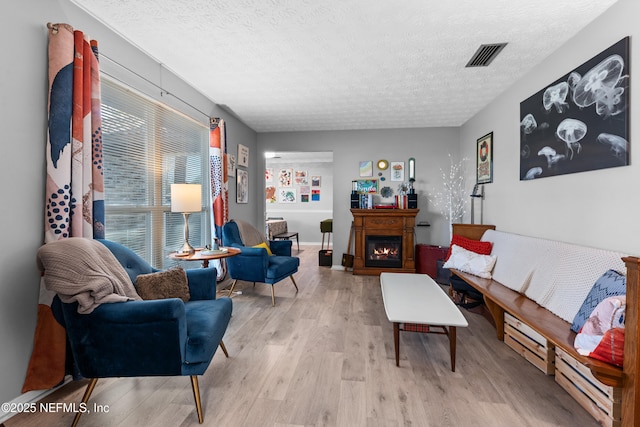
249 234
84 270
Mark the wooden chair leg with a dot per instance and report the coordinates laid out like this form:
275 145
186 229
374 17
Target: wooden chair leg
196 396
294 282
233 285
224 349
273 297
85 399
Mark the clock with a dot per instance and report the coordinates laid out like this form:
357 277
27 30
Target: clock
382 164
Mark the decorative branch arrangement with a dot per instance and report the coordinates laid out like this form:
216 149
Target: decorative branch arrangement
451 197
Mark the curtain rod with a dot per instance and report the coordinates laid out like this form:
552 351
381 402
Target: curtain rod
56 27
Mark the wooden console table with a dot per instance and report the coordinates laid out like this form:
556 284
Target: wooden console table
384 222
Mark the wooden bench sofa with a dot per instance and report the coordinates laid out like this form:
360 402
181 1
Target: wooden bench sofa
611 394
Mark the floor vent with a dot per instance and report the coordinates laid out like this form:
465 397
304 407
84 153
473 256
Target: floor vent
485 54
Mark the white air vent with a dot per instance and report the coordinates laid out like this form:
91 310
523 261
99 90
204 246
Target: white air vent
485 54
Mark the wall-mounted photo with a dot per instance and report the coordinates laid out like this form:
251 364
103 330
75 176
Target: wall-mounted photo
285 177
243 155
580 122
367 186
366 168
270 192
268 175
315 181
287 195
397 171
242 186
302 177
231 165
484 159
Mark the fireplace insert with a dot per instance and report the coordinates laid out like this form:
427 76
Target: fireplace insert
383 251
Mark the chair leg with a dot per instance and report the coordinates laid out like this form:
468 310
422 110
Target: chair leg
224 349
273 296
196 396
233 285
85 399
294 282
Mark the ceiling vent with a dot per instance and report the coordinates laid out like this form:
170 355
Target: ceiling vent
485 54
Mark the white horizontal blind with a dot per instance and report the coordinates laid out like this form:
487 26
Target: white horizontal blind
146 148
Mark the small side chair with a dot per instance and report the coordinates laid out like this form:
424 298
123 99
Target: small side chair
255 264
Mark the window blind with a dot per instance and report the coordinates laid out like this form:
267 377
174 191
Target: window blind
148 146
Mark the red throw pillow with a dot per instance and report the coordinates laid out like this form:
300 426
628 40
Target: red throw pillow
477 246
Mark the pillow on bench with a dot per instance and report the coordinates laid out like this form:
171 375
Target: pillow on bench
477 246
470 262
602 336
610 284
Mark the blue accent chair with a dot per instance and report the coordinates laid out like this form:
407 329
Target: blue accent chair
255 264
164 337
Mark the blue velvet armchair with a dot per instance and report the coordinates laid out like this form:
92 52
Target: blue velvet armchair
255 264
162 337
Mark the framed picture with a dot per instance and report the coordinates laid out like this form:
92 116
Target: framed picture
268 175
285 178
231 165
397 171
301 177
579 122
366 168
484 159
242 186
243 155
287 195
367 186
270 193
315 181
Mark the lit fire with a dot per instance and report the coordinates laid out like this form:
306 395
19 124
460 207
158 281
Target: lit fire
384 252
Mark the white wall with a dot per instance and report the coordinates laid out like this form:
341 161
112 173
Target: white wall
23 120
430 147
596 208
304 217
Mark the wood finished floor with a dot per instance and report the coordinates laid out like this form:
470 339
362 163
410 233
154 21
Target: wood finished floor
325 357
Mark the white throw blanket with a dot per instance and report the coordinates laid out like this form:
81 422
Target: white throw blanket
84 270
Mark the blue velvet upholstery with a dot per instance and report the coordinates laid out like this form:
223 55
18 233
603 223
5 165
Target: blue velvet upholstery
255 264
148 338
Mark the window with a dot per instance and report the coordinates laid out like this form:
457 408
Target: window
147 147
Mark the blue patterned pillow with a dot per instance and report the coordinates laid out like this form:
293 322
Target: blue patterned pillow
609 284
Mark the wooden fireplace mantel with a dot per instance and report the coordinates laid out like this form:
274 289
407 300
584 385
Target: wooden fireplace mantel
384 222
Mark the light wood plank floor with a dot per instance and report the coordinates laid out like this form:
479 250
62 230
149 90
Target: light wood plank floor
325 357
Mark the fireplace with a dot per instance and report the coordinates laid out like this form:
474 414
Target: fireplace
384 240
383 251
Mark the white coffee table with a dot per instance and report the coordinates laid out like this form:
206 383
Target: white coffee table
419 303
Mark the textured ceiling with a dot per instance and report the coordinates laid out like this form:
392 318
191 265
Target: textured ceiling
284 65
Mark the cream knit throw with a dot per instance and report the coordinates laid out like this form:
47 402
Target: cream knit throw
84 270
249 234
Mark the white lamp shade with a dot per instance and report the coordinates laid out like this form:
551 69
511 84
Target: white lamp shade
186 197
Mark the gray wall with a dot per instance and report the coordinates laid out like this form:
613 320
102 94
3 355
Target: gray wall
430 147
596 208
304 217
23 120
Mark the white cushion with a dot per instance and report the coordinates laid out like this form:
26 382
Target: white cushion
470 262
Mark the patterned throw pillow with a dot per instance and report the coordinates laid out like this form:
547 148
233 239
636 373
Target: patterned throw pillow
477 246
610 284
602 336
171 283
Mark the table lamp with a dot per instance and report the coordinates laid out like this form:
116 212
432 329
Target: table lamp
186 198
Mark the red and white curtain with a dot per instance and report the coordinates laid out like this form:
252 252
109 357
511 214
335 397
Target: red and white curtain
218 179
74 180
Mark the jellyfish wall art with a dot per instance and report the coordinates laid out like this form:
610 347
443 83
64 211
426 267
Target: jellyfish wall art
579 122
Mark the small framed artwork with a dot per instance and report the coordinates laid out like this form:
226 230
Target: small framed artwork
242 186
315 181
367 186
270 193
231 165
397 171
287 195
285 178
366 168
243 155
484 159
315 195
268 175
301 177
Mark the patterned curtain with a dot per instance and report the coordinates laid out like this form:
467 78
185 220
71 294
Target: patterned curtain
218 180
74 183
